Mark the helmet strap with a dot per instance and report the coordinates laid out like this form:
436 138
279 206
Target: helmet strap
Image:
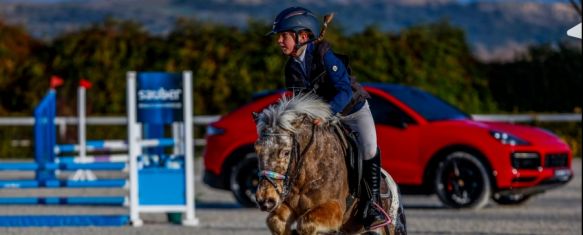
298 45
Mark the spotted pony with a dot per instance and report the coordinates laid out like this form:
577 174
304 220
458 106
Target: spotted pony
303 174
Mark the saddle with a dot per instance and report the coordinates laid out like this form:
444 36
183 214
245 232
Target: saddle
354 162
353 158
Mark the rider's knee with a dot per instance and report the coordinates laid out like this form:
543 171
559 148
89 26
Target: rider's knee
369 152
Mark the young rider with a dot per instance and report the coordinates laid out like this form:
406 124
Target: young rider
313 65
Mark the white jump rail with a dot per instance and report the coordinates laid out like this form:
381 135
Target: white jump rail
63 122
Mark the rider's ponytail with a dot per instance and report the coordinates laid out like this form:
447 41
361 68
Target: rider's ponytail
327 19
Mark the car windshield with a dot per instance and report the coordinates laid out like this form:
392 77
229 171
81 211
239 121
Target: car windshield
429 106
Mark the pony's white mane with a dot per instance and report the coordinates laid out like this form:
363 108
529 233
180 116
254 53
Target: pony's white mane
287 110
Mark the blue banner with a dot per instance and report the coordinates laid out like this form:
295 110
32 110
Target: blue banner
159 97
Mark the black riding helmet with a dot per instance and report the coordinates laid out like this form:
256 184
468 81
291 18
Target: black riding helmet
296 19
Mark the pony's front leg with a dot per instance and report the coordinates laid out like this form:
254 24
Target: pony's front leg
280 220
325 218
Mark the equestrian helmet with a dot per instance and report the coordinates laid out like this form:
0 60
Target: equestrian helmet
296 19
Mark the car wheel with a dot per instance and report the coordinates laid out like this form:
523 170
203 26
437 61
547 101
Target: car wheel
461 181
244 180
513 199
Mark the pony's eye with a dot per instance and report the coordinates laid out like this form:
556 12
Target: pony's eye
285 153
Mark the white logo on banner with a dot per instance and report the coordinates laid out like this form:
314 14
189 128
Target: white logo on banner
160 94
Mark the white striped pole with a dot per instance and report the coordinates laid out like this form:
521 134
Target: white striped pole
191 219
134 148
81 135
81 125
112 145
123 158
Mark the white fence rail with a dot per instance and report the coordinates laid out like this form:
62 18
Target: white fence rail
63 122
121 120
205 120
564 117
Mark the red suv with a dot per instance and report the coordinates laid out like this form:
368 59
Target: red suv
427 145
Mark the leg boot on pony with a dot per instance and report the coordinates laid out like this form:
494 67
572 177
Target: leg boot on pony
373 214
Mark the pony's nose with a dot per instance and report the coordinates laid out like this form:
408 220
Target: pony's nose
267 205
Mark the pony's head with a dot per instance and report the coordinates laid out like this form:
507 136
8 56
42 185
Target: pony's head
277 146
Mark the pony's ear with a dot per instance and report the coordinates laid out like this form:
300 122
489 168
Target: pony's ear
255 117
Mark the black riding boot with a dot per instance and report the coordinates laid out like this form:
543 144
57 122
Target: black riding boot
372 215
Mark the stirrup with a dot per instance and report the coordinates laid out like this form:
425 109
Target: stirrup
387 218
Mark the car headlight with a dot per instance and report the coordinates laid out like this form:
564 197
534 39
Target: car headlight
211 130
506 138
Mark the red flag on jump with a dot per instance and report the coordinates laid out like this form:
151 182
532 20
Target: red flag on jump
84 83
56 81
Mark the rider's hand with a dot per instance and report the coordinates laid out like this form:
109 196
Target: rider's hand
330 120
318 121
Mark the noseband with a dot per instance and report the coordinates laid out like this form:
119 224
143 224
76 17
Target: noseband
297 157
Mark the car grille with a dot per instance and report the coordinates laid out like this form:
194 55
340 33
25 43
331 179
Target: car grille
526 160
556 160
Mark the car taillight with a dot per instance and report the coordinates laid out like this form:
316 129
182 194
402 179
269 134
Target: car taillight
212 130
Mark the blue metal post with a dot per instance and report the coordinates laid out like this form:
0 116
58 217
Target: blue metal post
45 136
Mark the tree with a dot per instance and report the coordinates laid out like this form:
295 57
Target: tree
546 79
434 57
21 72
102 54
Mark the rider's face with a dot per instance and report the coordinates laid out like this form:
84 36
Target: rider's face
286 42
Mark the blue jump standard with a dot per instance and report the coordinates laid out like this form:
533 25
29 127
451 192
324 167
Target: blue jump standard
28 166
63 220
104 201
101 183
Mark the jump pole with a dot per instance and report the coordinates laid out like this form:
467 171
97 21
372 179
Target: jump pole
190 220
81 135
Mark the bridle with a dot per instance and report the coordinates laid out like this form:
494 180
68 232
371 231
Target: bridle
296 157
